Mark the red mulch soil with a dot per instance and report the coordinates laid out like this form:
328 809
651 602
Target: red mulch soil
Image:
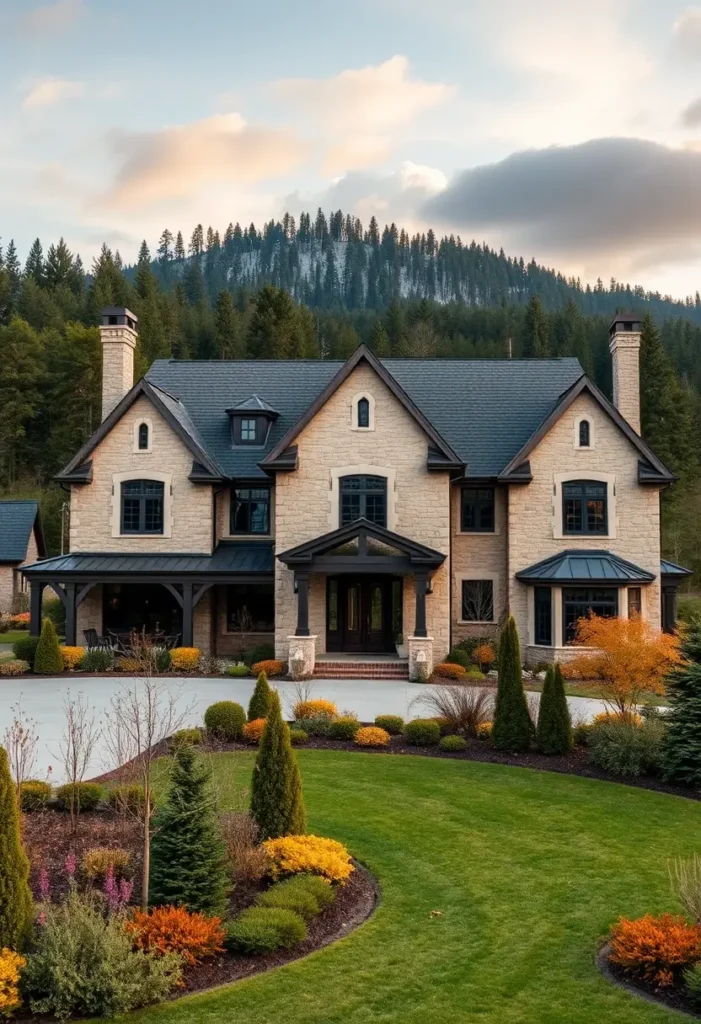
675 998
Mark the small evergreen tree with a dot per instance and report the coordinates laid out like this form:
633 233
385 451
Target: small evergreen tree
187 854
48 660
682 750
277 804
259 705
15 894
554 732
512 728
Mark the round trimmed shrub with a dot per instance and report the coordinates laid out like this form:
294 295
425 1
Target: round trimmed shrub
474 674
344 728
72 657
453 744
392 724
314 709
422 732
225 720
459 657
372 736
25 648
238 671
252 731
484 730
185 659
320 888
271 667
87 795
193 736
444 724
128 797
298 737
290 898
96 862
34 794
264 929
449 670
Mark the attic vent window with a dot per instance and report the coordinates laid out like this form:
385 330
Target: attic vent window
363 413
143 437
584 434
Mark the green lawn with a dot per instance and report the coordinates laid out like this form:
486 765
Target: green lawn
593 689
527 870
12 635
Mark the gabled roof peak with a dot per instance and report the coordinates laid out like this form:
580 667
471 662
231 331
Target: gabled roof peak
254 404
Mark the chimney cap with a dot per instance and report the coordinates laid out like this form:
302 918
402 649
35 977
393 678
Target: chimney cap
626 321
119 316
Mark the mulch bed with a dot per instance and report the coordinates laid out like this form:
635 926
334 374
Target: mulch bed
673 998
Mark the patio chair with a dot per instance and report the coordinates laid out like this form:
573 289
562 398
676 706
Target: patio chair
96 642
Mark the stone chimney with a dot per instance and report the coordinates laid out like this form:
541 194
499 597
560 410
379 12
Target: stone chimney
118 336
624 346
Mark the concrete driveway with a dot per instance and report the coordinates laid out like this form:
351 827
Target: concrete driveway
42 700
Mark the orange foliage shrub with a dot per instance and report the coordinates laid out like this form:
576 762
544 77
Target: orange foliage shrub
604 717
484 730
629 658
271 668
447 670
252 731
176 930
484 655
185 659
656 949
72 657
314 709
372 736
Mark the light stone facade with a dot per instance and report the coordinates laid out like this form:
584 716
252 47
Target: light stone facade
11 581
625 357
479 556
118 344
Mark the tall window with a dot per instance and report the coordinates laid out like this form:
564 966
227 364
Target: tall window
584 507
584 434
635 602
250 608
363 413
477 510
543 617
142 506
250 510
364 497
477 601
579 602
143 437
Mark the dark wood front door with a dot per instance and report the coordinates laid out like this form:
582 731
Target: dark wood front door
363 613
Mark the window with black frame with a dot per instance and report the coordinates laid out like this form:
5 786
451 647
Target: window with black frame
143 437
579 602
251 605
364 497
250 510
142 507
543 617
363 413
477 601
584 434
477 514
584 507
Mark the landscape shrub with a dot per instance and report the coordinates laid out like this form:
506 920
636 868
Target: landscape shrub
392 724
305 709
484 730
264 929
25 648
685 876
11 965
626 749
344 728
194 736
259 704
606 717
554 730
225 720
72 657
20 620
246 861
98 660
34 794
163 930
252 731
52 608
47 658
277 805
185 659
298 737
321 889
422 732
443 723
15 894
262 652
13 668
463 708
286 898
320 725
83 964
162 659
127 798
459 657
474 675
238 671
692 983
581 732
484 655
449 670
271 667
682 749
513 729
454 744
372 736
95 863
132 666
310 854
655 949
86 795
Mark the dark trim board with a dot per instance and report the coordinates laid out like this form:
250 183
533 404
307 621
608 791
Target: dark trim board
318 551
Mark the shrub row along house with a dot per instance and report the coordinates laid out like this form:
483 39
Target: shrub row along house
331 507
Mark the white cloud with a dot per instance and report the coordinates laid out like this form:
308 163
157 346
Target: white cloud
50 18
47 92
687 32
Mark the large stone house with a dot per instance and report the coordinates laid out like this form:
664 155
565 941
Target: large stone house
21 543
329 507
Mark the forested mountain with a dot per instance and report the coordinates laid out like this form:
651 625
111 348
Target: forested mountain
316 289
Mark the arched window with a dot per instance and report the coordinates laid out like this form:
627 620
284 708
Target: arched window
364 497
142 506
363 413
584 434
143 437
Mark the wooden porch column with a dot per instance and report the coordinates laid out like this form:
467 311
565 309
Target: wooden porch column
302 581
187 615
421 583
36 591
70 615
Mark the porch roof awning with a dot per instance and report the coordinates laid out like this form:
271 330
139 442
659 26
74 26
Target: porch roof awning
672 569
361 546
230 558
580 567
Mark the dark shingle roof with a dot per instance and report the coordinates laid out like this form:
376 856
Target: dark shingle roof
485 409
231 557
576 566
17 519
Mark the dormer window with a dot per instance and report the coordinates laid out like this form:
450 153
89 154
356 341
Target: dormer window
584 434
143 437
249 431
251 421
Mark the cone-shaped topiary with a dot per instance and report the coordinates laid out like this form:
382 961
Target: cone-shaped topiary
259 704
513 729
277 804
48 660
554 732
15 894
682 748
187 854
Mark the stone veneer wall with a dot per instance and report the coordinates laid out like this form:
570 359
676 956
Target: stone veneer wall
479 556
304 509
11 579
531 507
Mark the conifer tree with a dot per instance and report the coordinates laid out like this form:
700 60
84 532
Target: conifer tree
277 804
187 853
227 335
48 660
34 267
666 413
15 894
554 732
682 750
535 329
513 729
179 251
259 704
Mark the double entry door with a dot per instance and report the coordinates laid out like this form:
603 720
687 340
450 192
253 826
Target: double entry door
363 613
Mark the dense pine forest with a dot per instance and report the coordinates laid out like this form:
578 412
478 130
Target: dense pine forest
315 289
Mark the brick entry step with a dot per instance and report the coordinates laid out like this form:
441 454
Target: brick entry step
361 670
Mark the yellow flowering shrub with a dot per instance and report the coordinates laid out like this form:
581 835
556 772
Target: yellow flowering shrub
314 709
72 657
313 855
372 736
11 964
605 717
185 659
484 730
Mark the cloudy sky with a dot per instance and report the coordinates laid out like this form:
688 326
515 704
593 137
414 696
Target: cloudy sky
566 131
